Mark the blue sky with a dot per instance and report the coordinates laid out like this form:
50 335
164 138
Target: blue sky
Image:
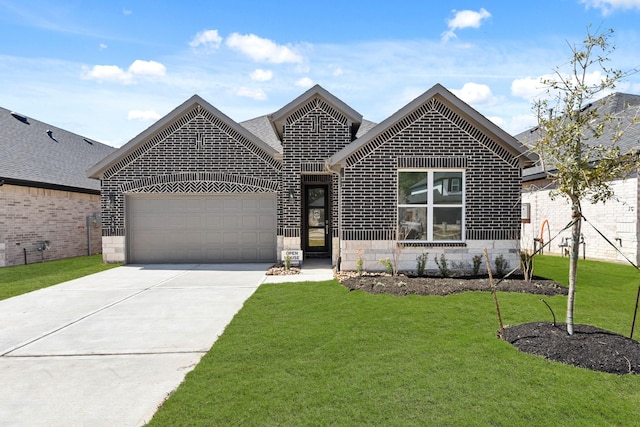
109 69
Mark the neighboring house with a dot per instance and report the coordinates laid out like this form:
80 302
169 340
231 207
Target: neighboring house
314 176
46 197
617 219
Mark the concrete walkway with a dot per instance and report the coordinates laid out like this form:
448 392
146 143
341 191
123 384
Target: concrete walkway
107 349
313 270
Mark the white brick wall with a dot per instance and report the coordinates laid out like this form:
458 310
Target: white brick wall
615 219
372 251
113 249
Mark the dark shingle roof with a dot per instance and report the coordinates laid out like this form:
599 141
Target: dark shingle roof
261 127
35 152
625 111
365 127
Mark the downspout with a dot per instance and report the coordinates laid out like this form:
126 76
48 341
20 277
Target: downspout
327 168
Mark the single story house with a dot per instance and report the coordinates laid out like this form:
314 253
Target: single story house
315 177
617 219
48 205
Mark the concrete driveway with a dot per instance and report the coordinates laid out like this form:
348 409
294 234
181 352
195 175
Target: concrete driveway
107 349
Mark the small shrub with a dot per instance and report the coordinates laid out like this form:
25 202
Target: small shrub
477 262
287 262
501 265
388 265
443 266
422 263
359 263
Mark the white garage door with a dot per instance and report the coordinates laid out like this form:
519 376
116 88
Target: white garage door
201 228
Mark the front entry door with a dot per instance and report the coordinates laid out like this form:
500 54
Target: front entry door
316 220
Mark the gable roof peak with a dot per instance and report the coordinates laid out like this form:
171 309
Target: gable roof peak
279 118
438 91
187 106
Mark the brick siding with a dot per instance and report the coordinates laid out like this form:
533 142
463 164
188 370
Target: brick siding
312 133
433 136
197 153
493 180
31 215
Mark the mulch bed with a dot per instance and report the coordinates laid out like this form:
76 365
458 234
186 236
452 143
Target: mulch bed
589 347
406 285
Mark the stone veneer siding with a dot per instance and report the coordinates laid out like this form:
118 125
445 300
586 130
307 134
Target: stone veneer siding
30 215
618 218
312 134
197 153
433 136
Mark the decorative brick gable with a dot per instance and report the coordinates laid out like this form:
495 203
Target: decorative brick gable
432 136
196 153
312 133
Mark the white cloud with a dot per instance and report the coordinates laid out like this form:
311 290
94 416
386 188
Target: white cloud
143 115
261 75
474 93
113 73
338 72
464 19
147 68
262 50
609 6
107 73
305 82
207 38
127 12
257 94
528 88
102 46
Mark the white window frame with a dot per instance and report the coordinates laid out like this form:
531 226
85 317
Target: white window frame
430 205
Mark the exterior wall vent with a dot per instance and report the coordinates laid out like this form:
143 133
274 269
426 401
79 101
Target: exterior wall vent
20 117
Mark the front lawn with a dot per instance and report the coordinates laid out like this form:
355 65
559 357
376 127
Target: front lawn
316 354
26 278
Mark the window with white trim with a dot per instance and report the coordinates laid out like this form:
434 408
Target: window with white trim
431 205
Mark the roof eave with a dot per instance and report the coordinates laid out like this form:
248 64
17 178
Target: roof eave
98 169
439 91
47 185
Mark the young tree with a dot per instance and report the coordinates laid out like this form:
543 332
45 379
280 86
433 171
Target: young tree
577 140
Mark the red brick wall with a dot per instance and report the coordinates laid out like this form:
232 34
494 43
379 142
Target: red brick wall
30 215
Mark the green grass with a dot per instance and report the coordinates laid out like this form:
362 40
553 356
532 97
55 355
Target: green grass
315 354
605 292
26 278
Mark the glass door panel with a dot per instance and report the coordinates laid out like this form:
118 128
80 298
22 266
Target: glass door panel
316 218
